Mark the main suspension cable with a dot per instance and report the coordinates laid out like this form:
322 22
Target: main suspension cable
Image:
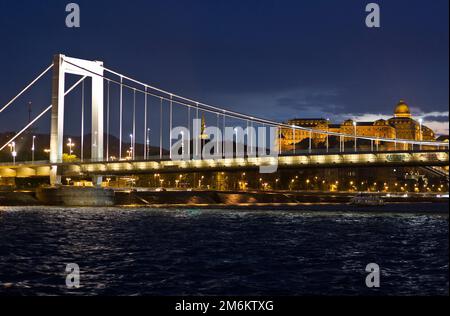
26 88
241 116
40 115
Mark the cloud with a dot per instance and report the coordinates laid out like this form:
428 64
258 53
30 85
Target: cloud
440 128
365 117
283 105
439 124
433 115
317 103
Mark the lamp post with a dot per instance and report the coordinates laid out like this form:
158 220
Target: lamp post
13 152
354 130
70 144
148 143
32 149
131 147
420 133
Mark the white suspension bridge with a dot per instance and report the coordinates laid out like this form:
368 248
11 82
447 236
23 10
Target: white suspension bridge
403 152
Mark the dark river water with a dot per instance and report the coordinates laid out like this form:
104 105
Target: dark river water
127 251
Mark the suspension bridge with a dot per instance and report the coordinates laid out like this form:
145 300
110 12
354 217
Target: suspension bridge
126 160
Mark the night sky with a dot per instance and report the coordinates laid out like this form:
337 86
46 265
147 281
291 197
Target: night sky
274 59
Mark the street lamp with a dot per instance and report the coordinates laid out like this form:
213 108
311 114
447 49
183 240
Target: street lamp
131 147
13 152
354 131
148 143
70 144
32 149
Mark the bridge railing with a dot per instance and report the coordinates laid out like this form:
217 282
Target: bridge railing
157 158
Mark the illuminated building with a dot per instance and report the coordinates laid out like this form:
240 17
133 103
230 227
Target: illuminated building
400 126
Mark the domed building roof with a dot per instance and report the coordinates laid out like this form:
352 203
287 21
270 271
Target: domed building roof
402 110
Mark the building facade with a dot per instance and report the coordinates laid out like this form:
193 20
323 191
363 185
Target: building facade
401 126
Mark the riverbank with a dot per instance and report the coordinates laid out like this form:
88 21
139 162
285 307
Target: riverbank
226 199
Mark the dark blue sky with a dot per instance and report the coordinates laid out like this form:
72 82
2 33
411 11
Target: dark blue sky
278 59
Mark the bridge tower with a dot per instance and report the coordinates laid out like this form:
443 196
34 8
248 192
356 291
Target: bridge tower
93 69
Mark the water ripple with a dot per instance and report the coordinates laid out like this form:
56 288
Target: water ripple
219 252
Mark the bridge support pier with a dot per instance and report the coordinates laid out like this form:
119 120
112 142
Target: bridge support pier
86 68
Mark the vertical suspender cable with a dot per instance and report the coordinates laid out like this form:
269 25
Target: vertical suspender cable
160 129
293 134
196 115
170 128
120 117
134 125
251 137
196 136
247 141
145 125
189 119
223 122
279 141
223 139
310 140
82 122
107 122
265 140
223 136
190 133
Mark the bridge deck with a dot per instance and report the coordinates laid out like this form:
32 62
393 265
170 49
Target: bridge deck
331 160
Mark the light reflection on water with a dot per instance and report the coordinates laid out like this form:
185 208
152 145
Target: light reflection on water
130 251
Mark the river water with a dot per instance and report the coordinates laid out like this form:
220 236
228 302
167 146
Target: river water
129 251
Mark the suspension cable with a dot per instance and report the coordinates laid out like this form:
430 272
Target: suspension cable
133 152
170 128
40 115
189 120
160 128
82 121
107 121
145 125
26 88
241 116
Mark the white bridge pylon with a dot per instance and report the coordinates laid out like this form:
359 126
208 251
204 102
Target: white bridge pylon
63 65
